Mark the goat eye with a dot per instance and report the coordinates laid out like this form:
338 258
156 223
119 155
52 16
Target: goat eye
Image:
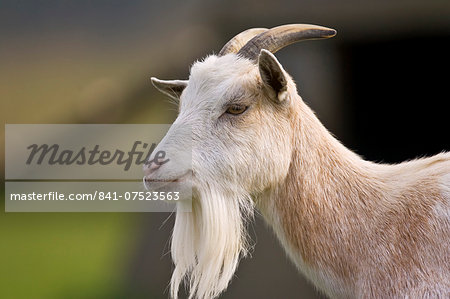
236 109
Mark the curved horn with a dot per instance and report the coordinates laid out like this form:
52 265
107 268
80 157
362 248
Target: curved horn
237 42
282 36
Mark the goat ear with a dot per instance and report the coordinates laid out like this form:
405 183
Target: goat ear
172 88
272 74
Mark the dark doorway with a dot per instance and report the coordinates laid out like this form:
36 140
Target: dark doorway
398 94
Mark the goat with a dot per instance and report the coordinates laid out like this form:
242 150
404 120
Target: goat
354 228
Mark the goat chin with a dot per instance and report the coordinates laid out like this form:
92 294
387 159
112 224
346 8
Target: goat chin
208 242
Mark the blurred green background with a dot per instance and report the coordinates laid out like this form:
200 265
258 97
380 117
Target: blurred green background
90 62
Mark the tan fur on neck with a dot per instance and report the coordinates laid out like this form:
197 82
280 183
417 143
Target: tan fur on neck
344 218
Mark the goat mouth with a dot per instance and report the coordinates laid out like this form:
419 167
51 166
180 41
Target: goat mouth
159 183
182 177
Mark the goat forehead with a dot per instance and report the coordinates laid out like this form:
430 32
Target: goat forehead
214 79
223 66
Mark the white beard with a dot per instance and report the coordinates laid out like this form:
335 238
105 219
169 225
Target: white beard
208 242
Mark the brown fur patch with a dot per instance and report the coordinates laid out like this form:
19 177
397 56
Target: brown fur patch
347 218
